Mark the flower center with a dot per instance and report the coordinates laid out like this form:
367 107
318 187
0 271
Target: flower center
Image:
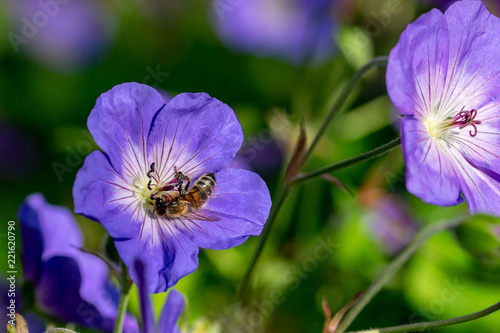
462 119
166 191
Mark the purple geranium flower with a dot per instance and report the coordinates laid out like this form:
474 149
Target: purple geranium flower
130 188
69 284
444 77
298 31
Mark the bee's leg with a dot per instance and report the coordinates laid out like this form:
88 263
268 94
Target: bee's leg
186 178
179 176
177 173
179 188
188 181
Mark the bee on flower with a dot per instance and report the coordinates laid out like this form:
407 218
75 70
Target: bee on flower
149 187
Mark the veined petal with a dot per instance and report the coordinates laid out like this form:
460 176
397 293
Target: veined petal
147 315
46 231
120 123
480 188
59 292
171 312
239 205
69 284
59 297
166 253
473 79
196 133
102 195
483 149
430 174
418 64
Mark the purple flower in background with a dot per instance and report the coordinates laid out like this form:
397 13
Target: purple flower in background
492 5
440 4
68 283
139 189
64 35
298 31
444 77
22 151
261 154
170 313
390 222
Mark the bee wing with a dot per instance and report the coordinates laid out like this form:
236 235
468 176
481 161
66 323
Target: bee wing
203 215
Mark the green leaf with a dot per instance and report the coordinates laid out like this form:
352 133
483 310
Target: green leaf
297 160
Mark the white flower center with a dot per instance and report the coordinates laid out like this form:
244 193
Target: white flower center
152 187
438 127
435 127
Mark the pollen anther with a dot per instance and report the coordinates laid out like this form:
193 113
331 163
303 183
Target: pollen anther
466 118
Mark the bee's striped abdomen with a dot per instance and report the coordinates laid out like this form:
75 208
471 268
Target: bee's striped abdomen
201 190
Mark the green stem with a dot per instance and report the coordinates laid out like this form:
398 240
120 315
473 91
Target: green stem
351 161
280 198
375 62
392 269
434 324
284 189
122 309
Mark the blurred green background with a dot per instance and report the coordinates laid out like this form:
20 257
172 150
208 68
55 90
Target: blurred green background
47 111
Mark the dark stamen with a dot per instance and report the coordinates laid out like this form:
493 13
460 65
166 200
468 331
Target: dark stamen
152 169
466 118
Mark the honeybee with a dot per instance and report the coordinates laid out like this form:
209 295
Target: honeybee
160 206
193 200
186 201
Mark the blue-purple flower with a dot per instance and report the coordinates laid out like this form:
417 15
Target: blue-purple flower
298 31
444 77
64 35
68 283
153 151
